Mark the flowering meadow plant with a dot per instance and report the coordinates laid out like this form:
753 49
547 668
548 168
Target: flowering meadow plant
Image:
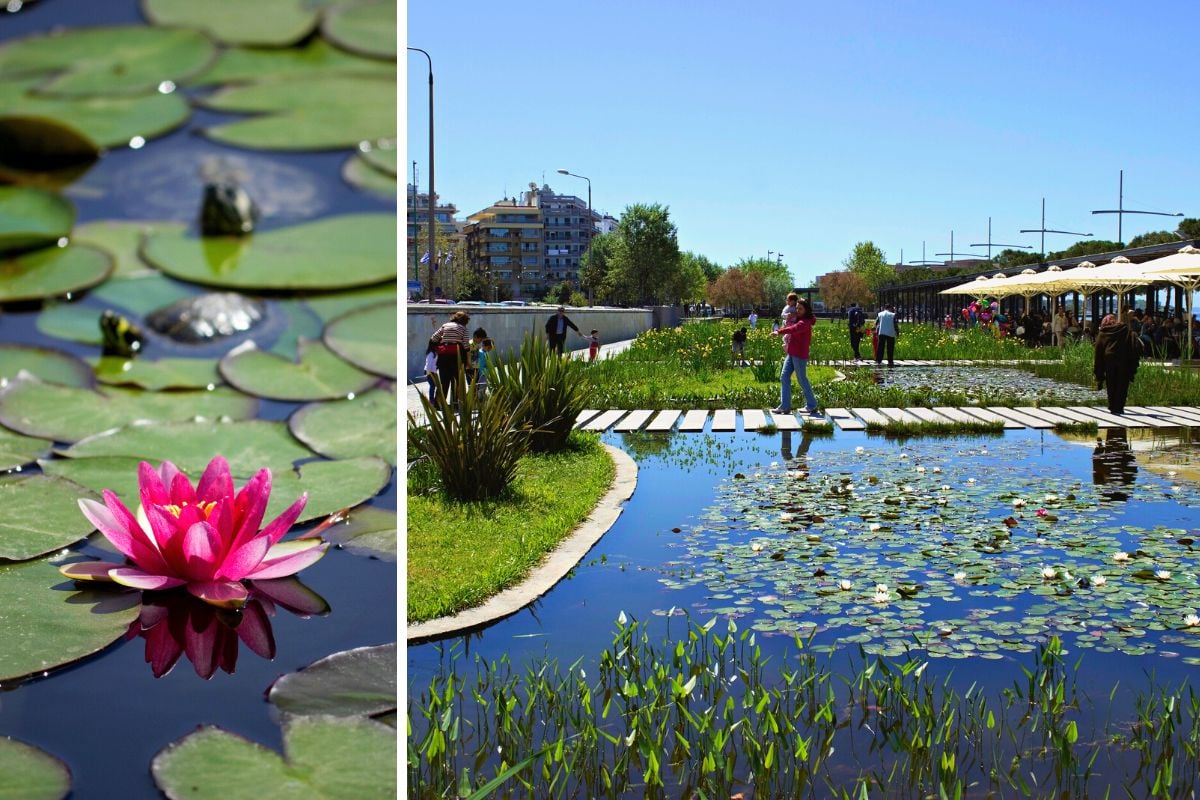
206 538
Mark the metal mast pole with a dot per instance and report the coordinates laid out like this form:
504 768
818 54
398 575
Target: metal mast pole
432 195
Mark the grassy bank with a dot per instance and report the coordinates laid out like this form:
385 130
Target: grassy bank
459 554
1153 386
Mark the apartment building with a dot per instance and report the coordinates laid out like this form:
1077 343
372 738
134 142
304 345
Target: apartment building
503 244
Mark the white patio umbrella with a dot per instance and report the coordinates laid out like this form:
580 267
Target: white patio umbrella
1183 270
1117 276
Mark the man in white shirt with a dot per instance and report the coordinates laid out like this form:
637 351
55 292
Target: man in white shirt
888 329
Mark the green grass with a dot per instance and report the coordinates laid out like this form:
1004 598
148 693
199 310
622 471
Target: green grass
1152 386
459 554
898 429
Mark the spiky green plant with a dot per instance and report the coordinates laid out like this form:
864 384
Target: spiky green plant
545 391
476 446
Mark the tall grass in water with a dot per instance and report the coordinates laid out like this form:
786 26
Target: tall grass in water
1154 385
546 391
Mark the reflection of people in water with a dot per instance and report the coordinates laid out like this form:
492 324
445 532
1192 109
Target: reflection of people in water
1113 463
785 447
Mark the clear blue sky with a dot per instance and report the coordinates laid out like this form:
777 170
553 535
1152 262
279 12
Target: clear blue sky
803 127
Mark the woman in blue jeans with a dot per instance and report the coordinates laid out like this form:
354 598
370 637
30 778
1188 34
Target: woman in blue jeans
797 338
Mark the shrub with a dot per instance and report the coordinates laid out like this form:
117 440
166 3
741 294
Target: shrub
544 390
475 448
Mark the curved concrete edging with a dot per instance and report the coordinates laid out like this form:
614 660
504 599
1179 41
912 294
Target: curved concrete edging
554 568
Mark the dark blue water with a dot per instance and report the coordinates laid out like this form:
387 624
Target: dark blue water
107 716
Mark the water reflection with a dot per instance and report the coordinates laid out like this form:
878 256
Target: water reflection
175 624
1113 464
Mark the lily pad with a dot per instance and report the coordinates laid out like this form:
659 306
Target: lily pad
366 338
17 450
319 374
363 246
69 414
43 151
247 446
367 27
41 515
303 323
364 426
324 758
54 624
358 682
331 486
361 175
31 773
366 531
74 322
272 23
49 365
324 113
166 373
383 156
52 272
316 59
332 305
107 121
32 217
141 294
117 60
122 239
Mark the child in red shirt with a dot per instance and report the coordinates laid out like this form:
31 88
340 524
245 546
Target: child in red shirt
593 345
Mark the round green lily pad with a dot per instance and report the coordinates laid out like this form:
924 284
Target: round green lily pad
315 59
325 113
141 294
366 531
31 773
364 426
303 323
327 757
49 365
319 374
331 486
41 515
32 217
247 445
54 623
329 306
300 257
358 682
116 60
43 151
366 338
361 175
383 156
107 121
271 23
367 27
122 239
17 450
52 272
69 414
166 373
74 322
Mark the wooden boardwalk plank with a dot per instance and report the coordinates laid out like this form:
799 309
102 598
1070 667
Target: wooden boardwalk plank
1151 422
753 419
990 416
844 413
785 422
1111 419
929 415
1178 411
1027 420
899 415
664 421
694 420
849 424
585 415
602 422
724 419
954 414
1050 415
870 416
1075 416
635 420
1176 418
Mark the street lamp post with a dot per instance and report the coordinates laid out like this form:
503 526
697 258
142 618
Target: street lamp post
432 201
1121 211
591 223
990 244
1044 230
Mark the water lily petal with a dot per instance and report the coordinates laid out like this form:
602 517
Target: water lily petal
132 543
88 570
288 558
280 525
255 630
247 558
216 483
138 579
163 648
222 594
201 550
200 640
182 490
249 507
169 536
151 487
292 595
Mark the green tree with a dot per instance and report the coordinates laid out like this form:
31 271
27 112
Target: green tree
693 278
594 266
1190 228
777 278
1086 247
559 295
1153 237
1007 259
711 269
869 261
644 267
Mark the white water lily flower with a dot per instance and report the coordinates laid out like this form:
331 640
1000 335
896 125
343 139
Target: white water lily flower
786 517
945 488
774 463
845 585
874 526
1120 556
960 576
756 546
1098 580
882 597
881 587
983 452
1049 573
906 489
937 470
1162 574
1051 498
1191 620
1066 575
1018 503
1176 489
920 469
1171 473
860 450
970 480
904 455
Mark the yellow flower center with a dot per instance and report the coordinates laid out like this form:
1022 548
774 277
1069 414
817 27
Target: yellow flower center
175 510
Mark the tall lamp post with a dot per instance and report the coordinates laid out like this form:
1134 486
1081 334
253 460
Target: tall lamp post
1044 230
1121 211
990 244
591 223
432 201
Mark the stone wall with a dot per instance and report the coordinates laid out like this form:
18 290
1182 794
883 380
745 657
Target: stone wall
507 325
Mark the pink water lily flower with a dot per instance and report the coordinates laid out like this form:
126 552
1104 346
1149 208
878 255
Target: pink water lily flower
205 538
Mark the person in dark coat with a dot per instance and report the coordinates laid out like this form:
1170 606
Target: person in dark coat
556 329
1118 352
856 320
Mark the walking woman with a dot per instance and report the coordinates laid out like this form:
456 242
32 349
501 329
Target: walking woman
1118 352
797 338
451 342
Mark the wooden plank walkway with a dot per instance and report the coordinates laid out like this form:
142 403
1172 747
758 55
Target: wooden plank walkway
664 421
633 422
899 415
990 416
754 419
724 420
785 422
1027 420
694 420
602 422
